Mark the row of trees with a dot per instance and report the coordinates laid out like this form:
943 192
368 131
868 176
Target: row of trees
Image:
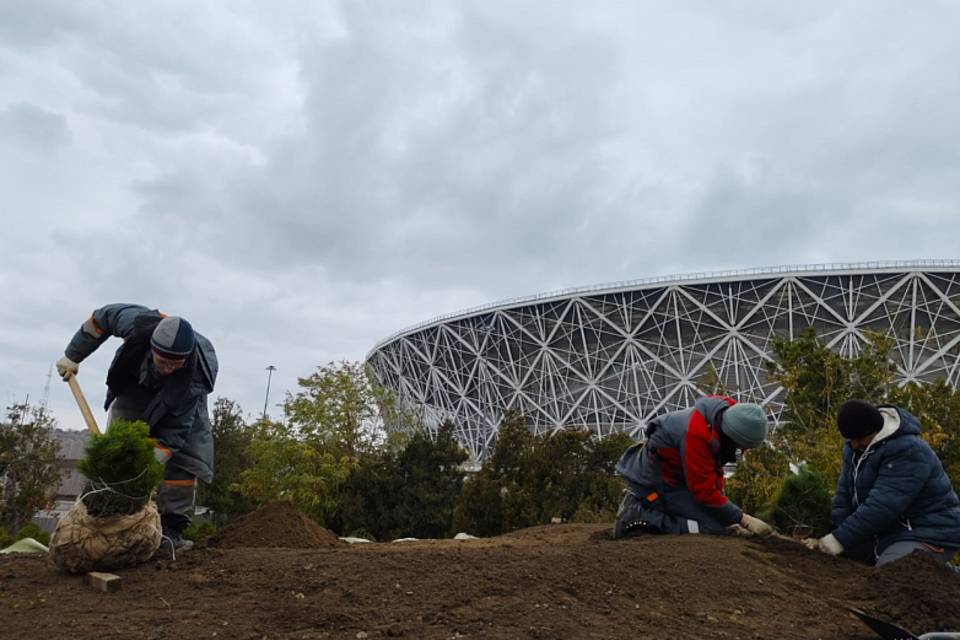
331 457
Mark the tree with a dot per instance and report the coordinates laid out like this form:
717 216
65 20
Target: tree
406 492
231 441
339 409
284 465
29 464
498 497
817 381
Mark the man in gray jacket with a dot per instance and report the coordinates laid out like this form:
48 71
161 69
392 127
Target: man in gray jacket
161 374
675 479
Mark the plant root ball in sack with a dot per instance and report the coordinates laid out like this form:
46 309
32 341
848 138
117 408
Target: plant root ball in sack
115 523
84 543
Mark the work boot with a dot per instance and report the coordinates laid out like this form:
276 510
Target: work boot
172 543
631 519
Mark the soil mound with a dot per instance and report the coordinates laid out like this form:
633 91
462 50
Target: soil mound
558 581
916 591
276 524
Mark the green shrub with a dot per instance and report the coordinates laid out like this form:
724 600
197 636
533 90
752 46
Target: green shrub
32 530
200 532
802 507
121 469
5 538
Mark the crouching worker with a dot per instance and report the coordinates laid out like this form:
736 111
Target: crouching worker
675 479
161 374
893 496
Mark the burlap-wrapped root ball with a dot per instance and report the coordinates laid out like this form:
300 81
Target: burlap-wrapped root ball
82 543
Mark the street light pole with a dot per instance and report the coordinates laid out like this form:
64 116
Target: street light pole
266 397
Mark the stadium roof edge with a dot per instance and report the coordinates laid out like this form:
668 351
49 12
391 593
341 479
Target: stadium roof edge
823 269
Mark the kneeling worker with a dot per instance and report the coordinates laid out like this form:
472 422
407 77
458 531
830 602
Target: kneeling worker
675 479
893 496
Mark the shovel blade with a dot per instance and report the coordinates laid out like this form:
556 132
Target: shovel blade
882 628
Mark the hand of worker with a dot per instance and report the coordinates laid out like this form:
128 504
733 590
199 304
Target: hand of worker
829 544
161 453
811 543
756 526
67 367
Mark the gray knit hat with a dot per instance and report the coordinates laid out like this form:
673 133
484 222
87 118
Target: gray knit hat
173 338
745 424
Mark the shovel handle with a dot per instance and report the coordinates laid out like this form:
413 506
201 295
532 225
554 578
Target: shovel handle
82 402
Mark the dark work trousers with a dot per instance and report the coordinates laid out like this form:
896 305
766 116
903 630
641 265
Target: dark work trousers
177 492
673 511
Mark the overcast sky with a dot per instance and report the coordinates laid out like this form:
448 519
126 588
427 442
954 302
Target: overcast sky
303 179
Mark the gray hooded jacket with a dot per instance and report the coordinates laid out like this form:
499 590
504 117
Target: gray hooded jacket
178 418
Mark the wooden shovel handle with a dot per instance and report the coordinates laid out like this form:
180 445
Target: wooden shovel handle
82 402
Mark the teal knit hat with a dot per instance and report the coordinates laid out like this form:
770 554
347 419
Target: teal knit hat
745 424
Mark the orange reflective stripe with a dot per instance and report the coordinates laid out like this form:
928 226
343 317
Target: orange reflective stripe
180 483
652 497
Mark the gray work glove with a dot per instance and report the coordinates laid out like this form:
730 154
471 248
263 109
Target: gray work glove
756 526
67 367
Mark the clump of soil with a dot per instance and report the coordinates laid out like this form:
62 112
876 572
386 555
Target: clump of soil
276 524
916 591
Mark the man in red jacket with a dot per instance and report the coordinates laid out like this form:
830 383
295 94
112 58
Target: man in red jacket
675 478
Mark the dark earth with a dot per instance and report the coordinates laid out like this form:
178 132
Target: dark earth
278 575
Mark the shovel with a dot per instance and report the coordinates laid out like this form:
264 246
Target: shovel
82 402
890 631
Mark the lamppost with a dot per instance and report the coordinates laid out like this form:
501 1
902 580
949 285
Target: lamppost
266 397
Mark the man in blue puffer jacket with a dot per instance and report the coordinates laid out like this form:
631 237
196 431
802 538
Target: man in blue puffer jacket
893 496
161 374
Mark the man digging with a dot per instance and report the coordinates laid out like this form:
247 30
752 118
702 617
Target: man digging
161 374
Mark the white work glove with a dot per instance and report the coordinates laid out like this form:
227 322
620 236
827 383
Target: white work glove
756 526
829 544
67 367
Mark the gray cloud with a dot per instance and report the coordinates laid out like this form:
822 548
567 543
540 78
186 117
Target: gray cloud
301 181
29 126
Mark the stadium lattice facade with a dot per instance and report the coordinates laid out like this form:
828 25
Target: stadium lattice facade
611 357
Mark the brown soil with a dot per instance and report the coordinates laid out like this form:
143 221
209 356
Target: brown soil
276 524
559 581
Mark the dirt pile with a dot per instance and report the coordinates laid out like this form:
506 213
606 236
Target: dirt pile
276 524
560 581
921 594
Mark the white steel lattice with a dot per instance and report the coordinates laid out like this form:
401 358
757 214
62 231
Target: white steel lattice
610 358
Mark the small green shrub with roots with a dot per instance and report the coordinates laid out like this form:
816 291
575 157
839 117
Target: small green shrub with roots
802 507
121 470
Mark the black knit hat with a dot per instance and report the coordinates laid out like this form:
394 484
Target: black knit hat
858 418
173 338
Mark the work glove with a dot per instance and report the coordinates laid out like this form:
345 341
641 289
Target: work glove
67 367
161 453
756 526
829 544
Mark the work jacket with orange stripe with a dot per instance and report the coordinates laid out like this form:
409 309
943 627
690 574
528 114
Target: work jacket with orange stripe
175 405
683 452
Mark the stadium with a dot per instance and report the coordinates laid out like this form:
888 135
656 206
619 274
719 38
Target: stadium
610 357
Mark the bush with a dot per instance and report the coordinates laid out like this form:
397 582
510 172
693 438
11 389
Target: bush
200 532
5 538
802 507
32 530
121 470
